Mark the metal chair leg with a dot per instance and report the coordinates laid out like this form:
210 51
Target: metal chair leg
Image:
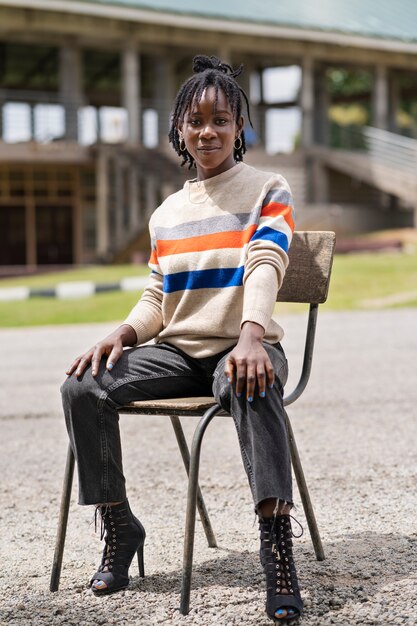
185 453
62 523
305 496
191 507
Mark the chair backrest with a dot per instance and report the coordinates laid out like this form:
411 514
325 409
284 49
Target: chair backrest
308 274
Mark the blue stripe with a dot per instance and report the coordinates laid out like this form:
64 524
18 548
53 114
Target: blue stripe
204 279
272 235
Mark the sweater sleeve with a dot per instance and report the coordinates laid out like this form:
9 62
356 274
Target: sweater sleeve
267 256
146 316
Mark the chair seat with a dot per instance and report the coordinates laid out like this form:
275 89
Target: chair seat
172 406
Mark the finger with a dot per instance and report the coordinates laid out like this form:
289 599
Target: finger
114 356
270 374
250 382
95 359
82 365
229 370
240 377
261 379
73 366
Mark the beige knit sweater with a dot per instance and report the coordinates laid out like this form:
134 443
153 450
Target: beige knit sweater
219 254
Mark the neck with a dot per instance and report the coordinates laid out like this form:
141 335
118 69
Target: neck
205 174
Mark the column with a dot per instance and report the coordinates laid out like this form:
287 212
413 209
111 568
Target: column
134 222
262 107
307 102
321 130
380 98
394 103
119 165
30 235
102 199
164 95
255 96
70 88
77 218
245 80
131 92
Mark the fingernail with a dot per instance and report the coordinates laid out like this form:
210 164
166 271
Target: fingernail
280 611
250 399
271 386
228 379
110 366
262 394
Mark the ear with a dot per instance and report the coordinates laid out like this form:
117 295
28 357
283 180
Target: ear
179 128
239 125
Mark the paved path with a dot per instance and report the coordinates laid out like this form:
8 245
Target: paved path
356 430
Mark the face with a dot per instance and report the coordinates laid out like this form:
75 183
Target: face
209 132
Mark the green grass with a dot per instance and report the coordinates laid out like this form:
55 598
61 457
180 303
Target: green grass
96 273
355 278
360 277
103 307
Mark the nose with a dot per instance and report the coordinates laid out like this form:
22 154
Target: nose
208 131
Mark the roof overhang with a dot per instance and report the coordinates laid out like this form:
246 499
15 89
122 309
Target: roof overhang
194 22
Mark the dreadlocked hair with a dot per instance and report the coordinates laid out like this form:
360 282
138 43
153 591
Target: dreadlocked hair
208 71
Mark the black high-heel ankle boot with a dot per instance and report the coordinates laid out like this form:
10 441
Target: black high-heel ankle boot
282 591
124 537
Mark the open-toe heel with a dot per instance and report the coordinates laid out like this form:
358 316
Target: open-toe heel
283 599
124 537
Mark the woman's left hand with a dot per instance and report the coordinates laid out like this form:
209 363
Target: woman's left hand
249 364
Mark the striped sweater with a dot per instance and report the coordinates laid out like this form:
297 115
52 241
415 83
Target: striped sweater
219 254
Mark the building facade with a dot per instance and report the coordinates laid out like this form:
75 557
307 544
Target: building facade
85 95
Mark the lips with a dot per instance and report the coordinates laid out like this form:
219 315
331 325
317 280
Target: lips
208 148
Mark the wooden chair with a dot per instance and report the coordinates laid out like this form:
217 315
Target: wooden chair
306 281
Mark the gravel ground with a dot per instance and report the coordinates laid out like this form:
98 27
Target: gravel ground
356 431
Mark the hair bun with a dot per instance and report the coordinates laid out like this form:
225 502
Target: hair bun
201 63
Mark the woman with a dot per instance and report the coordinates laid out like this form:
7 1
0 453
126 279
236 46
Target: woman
219 254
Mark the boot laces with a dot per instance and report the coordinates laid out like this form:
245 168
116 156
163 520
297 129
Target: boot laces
108 533
277 528
281 534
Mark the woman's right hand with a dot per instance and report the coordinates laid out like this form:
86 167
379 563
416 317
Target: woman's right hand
111 346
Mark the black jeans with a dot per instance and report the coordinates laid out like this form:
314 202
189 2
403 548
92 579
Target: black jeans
162 371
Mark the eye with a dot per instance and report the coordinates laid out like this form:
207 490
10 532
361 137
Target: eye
194 122
221 121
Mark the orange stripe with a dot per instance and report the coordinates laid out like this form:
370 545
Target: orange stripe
229 239
153 258
272 209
